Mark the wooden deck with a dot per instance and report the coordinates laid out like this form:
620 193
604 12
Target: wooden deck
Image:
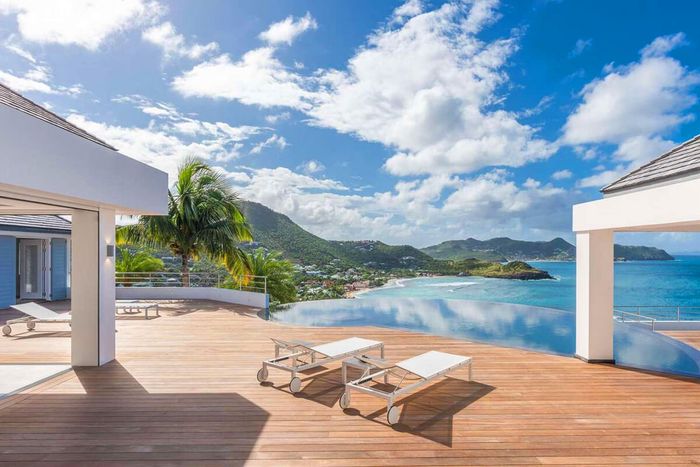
183 390
692 338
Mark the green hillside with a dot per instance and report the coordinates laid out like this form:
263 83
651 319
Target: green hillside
506 249
276 231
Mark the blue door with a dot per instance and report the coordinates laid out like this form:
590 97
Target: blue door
59 269
8 271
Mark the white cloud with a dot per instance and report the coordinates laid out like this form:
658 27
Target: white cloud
634 106
418 212
36 79
602 178
170 135
311 167
580 46
257 79
663 45
275 118
562 174
285 31
408 9
85 23
274 140
174 44
13 46
426 88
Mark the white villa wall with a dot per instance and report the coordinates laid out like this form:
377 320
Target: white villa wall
67 168
238 297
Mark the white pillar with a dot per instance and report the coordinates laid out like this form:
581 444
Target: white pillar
594 295
92 288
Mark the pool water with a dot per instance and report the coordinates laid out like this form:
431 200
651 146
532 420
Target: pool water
520 326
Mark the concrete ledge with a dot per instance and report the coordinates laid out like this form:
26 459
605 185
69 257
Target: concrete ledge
238 297
593 360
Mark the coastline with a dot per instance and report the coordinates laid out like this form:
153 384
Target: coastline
394 282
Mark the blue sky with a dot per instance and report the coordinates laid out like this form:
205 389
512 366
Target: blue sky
409 122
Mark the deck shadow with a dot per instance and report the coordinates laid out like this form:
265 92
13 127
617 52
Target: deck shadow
429 413
122 422
323 387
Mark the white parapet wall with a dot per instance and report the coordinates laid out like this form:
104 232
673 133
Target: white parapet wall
238 297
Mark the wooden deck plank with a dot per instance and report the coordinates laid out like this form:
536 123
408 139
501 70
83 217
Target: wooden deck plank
183 391
692 338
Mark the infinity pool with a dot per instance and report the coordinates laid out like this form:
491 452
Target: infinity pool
520 326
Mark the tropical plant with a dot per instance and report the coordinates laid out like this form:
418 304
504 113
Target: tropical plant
204 219
139 261
267 267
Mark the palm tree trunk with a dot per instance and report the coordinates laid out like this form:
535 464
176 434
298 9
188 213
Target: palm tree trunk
185 270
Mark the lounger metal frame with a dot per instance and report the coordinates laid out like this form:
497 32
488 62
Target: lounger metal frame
391 396
31 323
297 360
129 307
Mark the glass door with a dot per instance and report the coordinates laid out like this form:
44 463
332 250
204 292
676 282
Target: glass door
31 269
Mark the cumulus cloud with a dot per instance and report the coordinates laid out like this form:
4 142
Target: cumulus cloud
285 31
427 87
419 211
36 79
174 44
635 106
83 23
170 135
258 78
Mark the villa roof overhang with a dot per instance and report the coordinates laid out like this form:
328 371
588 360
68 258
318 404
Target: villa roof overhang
660 196
49 166
681 162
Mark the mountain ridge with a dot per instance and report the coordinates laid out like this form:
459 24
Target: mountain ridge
507 249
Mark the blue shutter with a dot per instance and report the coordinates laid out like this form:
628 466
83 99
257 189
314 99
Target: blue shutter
59 269
8 271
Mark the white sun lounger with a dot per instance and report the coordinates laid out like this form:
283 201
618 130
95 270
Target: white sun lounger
417 371
300 356
131 306
35 314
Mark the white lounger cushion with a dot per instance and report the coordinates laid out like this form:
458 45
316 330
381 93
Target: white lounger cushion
342 347
432 363
40 312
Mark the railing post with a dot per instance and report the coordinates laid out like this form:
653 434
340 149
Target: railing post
678 313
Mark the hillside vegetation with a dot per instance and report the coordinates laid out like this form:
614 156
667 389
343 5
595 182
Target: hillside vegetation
506 249
276 231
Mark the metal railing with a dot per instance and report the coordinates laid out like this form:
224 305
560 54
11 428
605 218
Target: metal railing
629 317
664 312
247 283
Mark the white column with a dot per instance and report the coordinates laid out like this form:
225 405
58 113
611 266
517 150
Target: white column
594 295
92 288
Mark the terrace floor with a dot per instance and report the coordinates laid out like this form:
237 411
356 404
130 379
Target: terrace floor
692 338
183 390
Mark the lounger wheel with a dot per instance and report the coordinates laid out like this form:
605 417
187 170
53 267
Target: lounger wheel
31 325
295 385
262 375
6 330
345 400
392 415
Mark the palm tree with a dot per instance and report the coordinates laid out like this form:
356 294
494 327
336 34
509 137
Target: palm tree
279 273
136 262
204 219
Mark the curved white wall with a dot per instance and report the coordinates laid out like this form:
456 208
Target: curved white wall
238 297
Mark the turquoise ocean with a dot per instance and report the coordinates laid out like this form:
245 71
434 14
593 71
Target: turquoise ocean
650 283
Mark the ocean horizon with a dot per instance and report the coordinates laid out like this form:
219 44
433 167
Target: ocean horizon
637 283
